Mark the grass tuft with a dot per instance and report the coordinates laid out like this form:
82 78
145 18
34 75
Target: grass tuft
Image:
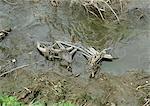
100 6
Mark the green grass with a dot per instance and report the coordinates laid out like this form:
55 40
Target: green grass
64 104
9 101
12 101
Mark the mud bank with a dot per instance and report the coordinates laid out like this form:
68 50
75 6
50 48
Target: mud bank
130 89
42 80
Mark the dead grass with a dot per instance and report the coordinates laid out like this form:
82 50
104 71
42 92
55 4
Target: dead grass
99 7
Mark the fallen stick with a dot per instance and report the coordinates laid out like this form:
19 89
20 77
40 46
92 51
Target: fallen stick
13 70
85 51
19 67
142 86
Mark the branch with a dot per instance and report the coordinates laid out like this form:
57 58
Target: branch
14 69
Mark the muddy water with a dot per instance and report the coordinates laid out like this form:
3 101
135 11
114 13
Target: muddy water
134 51
33 21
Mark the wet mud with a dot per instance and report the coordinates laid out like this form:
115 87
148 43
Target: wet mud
29 76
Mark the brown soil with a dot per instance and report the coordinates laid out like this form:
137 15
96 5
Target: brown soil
130 89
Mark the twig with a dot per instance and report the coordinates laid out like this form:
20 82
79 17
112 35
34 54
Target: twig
142 86
94 4
84 50
13 70
147 102
93 13
27 89
112 10
19 67
99 10
121 6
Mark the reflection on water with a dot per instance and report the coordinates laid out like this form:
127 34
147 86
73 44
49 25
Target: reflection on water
134 52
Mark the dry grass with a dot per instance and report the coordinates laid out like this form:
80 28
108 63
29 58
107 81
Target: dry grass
102 6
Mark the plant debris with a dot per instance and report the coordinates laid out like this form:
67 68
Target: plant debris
4 33
66 51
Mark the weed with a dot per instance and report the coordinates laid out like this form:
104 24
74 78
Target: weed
9 101
12 101
63 103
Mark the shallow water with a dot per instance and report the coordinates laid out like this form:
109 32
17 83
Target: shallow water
134 51
34 21
135 54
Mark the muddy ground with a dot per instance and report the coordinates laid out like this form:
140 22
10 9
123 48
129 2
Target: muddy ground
130 89
123 82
